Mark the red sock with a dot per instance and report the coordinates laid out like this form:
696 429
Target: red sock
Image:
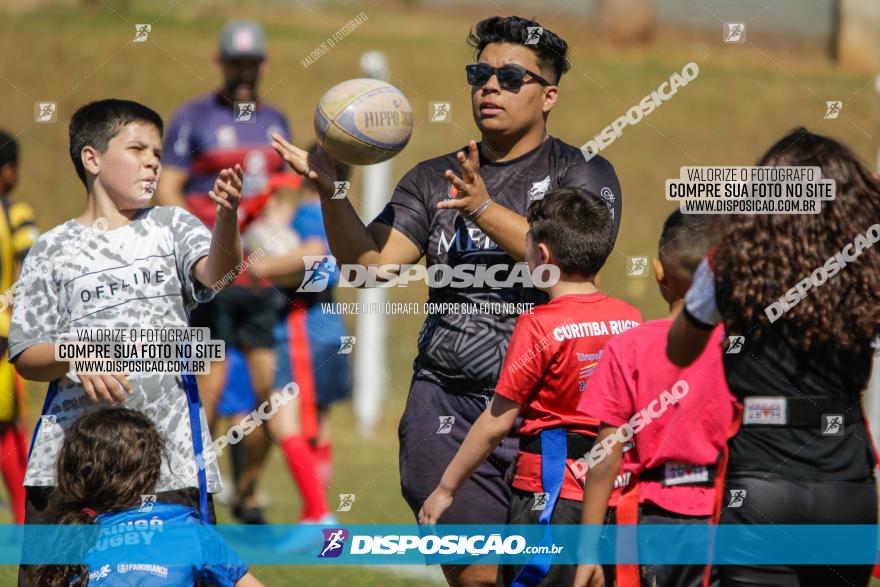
324 457
302 466
12 467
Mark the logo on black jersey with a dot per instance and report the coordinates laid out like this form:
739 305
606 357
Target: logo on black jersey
623 479
539 188
466 240
608 195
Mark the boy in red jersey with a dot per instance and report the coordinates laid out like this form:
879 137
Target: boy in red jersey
550 358
676 443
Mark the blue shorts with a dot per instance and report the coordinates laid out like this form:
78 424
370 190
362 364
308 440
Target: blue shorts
238 395
307 345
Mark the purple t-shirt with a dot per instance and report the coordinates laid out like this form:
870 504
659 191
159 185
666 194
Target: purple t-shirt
205 137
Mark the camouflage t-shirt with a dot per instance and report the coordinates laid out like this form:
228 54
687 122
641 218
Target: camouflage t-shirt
138 275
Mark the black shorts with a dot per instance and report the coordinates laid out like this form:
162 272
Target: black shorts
243 317
432 428
567 511
672 575
39 510
771 499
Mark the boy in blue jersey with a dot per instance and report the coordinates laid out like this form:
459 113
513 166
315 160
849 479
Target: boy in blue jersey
107 472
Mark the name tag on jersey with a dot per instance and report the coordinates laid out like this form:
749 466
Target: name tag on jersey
765 410
684 473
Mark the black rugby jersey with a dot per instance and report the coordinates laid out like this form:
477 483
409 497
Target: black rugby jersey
772 366
464 345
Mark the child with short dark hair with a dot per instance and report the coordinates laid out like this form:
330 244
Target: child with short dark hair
108 465
676 438
551 356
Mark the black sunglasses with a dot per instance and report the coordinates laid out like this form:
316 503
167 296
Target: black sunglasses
510 76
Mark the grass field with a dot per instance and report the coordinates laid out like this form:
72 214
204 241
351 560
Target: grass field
744 98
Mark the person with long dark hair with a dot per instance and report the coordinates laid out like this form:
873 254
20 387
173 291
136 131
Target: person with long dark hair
800 294
108 464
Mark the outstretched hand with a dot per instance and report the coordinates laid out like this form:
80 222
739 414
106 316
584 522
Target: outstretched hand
317 167
471 190
227 189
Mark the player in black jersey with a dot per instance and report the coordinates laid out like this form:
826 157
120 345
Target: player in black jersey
802 453
463 221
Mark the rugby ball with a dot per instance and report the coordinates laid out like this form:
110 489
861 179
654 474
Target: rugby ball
363 121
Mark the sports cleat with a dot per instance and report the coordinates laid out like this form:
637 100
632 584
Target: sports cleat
249 515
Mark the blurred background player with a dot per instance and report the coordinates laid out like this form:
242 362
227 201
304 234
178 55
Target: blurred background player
231 125
18 231
672 459
310 344
237 400
802 453
462 221
547 367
